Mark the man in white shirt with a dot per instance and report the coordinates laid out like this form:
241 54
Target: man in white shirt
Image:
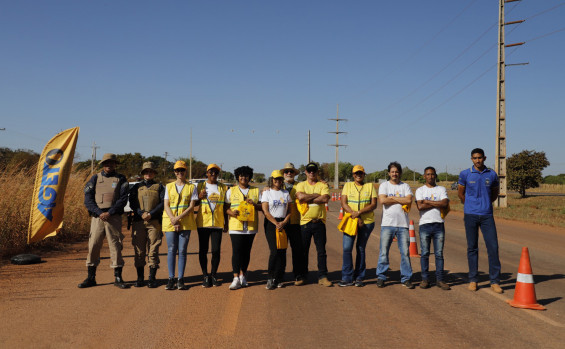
431 199
395 197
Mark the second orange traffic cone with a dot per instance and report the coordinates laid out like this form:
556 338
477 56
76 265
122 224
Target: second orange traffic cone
525 293
413 245
340 213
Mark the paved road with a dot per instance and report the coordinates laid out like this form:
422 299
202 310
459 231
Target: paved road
42 307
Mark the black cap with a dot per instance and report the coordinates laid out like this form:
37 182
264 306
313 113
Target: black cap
312 166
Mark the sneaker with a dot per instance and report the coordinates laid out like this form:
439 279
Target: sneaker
207 282
299 282
425 284
279 284
408 284
181 285
496 288
359 283
324 282
243 281
380 283
345 283
472 286
271 284
215 281
170 284
443 285
235 284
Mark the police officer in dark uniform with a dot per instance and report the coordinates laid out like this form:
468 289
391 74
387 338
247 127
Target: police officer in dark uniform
105 196
146 201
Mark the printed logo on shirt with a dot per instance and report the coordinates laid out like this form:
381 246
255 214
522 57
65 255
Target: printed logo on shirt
397 194
277 203
487 182
114 185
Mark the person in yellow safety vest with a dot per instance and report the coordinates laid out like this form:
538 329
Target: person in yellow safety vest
359 199
316 194
293 227
242 233
105 196
146 202
178 221
211 221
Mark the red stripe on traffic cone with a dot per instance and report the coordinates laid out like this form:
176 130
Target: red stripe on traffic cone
340 213
525 293
327 207
413 245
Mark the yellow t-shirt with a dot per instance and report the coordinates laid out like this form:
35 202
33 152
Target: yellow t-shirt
315 211
359 197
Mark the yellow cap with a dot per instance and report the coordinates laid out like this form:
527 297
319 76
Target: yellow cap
277 174
180 164
358 168
211 166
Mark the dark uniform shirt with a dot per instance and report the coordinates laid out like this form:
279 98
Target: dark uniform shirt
157 212
90 193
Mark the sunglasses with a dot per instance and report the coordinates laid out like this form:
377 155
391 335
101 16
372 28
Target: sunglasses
288 171
213 171
180 170
359 173
312 170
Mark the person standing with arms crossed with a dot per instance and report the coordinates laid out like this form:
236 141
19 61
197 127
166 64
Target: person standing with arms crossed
430 200
360 200
313 222
105 196
211 221
478 189
396 198
146 201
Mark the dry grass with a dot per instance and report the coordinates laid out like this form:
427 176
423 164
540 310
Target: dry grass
547 210
16 184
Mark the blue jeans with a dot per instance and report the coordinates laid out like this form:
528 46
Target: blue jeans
387 234
177 241
363 234
488 228
432 232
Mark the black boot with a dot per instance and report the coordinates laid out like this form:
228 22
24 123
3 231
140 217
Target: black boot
90 279
152 282
119 282
140 277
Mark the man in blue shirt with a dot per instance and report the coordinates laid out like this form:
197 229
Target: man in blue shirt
478 188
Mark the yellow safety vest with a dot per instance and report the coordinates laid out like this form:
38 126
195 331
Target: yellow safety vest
205 216
294 214
358 198
179 203
236 198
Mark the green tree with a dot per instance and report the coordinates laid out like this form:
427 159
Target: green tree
343 171
23 158
551 179
258 177
524 170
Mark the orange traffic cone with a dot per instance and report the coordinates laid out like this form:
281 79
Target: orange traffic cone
333 197
413 245
340 213
327 207
339 197
524 292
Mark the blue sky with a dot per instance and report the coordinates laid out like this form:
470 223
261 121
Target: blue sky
415 79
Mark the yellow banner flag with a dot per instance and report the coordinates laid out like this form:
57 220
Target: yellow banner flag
53 173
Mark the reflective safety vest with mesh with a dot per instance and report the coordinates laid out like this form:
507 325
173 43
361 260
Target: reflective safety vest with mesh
178 203
236 197
107 191
359 197
207 217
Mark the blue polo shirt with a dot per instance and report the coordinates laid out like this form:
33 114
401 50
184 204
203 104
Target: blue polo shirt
478 189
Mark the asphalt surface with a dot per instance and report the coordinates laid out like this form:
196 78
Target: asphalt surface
42 307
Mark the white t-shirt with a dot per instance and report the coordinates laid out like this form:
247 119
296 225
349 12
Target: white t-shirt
228 201
179 189
394 215
212 192
278 202
437 193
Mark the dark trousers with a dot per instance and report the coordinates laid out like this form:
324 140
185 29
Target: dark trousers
295 240
318 232
241 251
277 258
488 228
204 237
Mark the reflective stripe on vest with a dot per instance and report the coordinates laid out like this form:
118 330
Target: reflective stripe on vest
178 203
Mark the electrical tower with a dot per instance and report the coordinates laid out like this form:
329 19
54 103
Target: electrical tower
337 145
500 163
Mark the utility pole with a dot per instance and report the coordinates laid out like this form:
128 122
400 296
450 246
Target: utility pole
500 162
165 167
93 157
190 159
337 145
308 147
